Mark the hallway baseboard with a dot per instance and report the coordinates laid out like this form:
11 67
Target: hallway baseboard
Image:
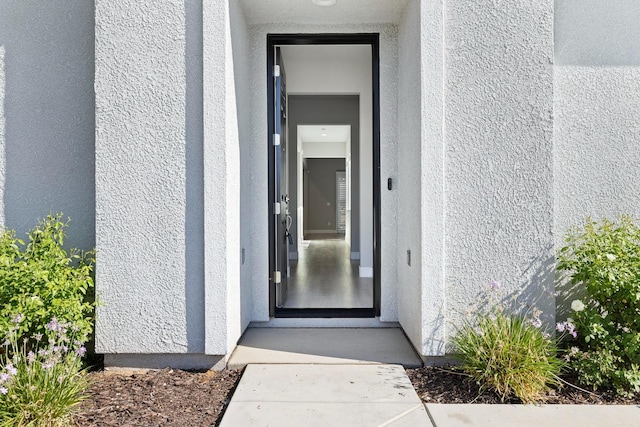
366 271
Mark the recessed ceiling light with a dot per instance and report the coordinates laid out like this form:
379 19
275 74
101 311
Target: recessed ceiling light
324 2
324 134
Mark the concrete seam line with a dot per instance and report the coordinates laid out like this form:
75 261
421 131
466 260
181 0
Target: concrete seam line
433 422
397 417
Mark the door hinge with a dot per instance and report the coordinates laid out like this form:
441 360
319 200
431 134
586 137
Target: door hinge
276 277
276 71
276 139
276 208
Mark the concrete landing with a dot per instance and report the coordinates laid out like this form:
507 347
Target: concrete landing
325 395
324 346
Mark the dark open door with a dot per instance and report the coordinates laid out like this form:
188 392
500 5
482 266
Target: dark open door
282 220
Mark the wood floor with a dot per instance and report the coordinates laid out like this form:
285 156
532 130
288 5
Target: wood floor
324 276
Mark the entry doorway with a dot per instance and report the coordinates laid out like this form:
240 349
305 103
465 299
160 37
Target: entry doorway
323 266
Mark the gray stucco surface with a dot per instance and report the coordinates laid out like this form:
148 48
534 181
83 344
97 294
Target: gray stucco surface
597 135
142 147
596 32
499 150
46 116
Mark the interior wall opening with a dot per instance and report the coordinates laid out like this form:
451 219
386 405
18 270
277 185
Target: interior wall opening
327 189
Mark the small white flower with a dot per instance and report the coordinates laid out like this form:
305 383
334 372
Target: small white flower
574 350
3 390
611 257
577 305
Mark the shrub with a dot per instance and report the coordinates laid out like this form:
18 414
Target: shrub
604 259
509 353
41 385
41 280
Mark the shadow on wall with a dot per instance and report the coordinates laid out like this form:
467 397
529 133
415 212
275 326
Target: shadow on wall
47 136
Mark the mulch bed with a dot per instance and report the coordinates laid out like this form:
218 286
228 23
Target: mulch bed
180 398
167 397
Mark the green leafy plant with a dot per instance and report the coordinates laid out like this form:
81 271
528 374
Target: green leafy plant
508 352
603 258
41 385
42 280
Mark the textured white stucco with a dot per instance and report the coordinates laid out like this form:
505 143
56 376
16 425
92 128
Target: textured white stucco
141 175
46 120
432 205
596 32
409 168
2 141
241 70
498 150
597 140
258 165
223 324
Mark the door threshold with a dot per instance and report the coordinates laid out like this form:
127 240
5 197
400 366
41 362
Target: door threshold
325 313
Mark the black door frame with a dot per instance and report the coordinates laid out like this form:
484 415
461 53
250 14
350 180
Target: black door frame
372 39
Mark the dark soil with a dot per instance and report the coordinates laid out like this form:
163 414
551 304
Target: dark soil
157 398
180 398
446 385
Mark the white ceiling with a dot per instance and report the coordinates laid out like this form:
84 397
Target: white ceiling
305 12
308 133
327 52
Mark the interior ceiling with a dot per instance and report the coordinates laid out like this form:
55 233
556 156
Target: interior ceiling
308 133
326 52
305 12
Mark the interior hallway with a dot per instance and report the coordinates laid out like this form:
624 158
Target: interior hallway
324 276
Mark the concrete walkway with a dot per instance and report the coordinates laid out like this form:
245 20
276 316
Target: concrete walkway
325 395
381 395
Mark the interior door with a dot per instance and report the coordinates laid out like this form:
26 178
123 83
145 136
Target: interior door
282 218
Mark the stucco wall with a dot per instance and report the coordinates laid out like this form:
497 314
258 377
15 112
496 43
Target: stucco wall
409 173
168 120
241 62
498 151
596 32
46 115
597 110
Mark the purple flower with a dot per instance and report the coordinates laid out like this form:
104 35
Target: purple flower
81 351
53 325
4 377
560 326
17 318
11 369
3 390
48 364
31 357
494 285
536 322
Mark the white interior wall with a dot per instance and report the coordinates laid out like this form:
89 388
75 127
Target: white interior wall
258 163
323 149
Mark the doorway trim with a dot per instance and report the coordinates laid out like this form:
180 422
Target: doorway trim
372 39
